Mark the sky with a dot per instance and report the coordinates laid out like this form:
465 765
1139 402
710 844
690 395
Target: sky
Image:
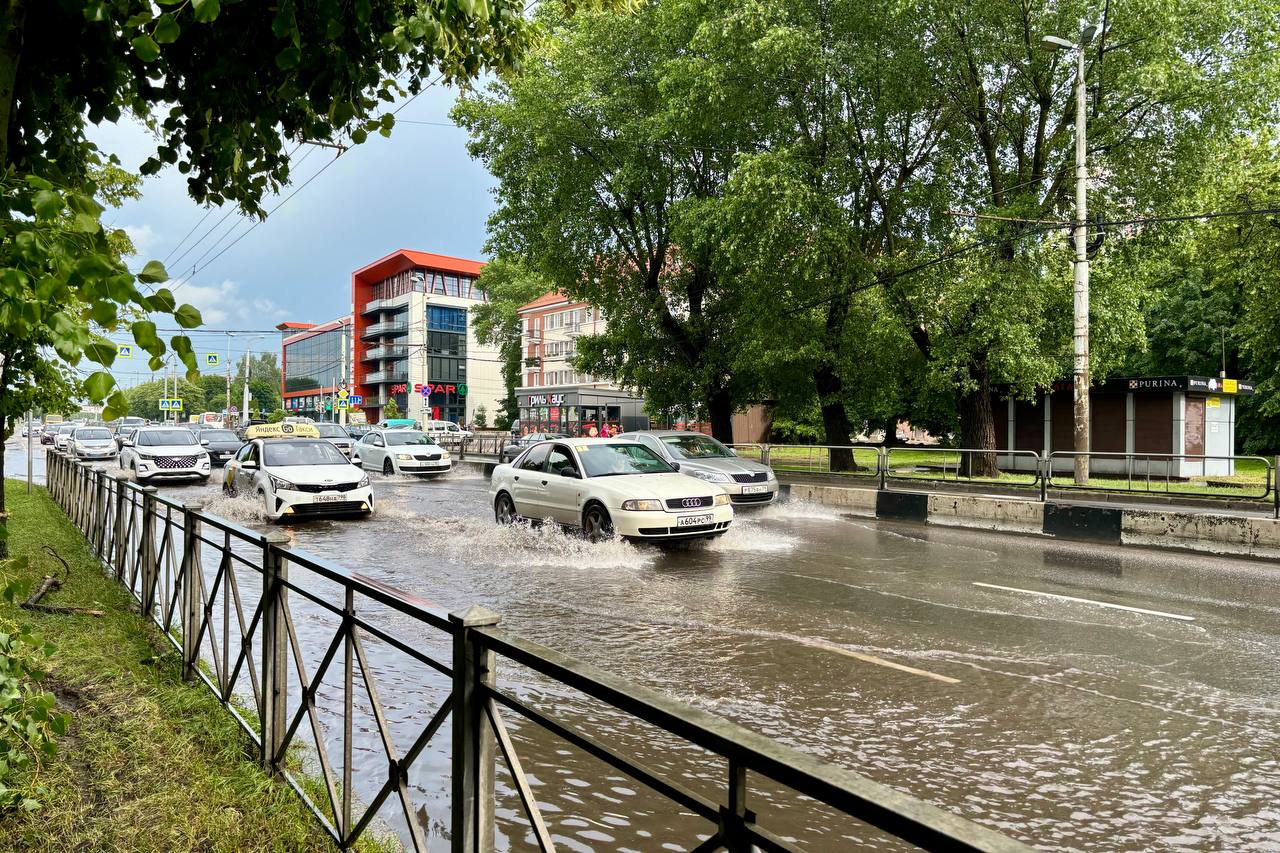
417 190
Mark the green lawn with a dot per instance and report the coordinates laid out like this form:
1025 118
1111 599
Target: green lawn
149 762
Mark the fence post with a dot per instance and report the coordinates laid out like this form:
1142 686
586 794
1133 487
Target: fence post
1275 488
100 511
147 557
192 580
882 466
275 649
472 825
1042 468
123 510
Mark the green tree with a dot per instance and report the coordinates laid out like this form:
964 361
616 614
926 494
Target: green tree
391 410
144 399
482 418
603 192
509 284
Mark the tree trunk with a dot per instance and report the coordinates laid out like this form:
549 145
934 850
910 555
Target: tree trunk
835 420
977 426
720 406
12 32
4 510
891 432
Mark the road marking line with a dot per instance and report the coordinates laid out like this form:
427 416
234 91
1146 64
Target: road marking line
945 679
1088 601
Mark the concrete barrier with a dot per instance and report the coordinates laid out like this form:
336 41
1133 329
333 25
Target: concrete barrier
903 506
853 501
1239 536
1085 523
1008 515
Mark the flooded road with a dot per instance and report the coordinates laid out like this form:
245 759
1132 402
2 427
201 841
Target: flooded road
1074 696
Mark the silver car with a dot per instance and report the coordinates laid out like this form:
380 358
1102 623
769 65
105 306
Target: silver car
337 436
748 483
92 442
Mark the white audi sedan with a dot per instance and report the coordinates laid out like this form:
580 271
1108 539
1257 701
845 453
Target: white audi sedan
401 451
298 477
161 452
608 487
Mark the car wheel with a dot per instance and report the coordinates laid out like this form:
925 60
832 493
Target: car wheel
504 509
387 468
596 524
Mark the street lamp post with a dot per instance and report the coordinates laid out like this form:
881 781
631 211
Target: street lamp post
1080 301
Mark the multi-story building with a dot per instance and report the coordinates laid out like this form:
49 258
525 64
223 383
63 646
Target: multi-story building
314 360
553 396
414 340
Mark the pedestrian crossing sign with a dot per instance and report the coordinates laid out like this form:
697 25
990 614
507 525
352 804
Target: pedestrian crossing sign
170 404
211 359
124 351
343 404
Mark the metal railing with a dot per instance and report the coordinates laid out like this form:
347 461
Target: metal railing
1166 474
1182 474
280 637
387 327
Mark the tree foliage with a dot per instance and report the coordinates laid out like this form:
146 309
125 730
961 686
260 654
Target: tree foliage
509 285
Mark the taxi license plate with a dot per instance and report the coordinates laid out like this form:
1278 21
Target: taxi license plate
328 499
693 520
754 490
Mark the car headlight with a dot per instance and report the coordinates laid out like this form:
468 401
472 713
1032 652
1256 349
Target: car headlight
710 476
404 456
364 481
445 456
277 483
642 505
721 499
772 476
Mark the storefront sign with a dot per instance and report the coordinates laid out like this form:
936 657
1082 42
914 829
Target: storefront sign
545 400
1213 402
433 388
1156 383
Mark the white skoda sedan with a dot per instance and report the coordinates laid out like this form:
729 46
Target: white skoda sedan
298 477
401 451
606 487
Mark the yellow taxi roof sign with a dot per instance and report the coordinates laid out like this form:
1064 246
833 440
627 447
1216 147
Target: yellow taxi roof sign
282 431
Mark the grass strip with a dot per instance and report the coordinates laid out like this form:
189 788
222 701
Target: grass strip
150 762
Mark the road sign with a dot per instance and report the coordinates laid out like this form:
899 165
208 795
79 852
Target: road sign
343 404
124 351
233 410
170 404
211 359
343 394
356 399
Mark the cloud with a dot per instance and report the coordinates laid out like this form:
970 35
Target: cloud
223 304
143 236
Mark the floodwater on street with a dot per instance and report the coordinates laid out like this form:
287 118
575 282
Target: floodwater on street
1070 695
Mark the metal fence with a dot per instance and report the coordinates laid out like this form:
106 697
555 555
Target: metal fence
1167 474
228 599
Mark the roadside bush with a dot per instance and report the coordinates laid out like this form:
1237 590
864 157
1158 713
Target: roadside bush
28 721
481 417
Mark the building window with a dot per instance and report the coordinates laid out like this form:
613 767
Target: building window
446 319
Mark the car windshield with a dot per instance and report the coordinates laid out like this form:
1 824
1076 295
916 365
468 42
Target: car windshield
301 452
164 437
610 460
67 430
218 435
331 431
406 436
96 434
695 446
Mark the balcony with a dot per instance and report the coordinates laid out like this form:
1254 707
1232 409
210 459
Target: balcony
386 377
389 327
373 306
392 351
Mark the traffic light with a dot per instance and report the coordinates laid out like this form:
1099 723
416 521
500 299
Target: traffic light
328 404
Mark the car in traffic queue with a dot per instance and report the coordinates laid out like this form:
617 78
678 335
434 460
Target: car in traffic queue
446 431
220 444
48 433
296 473
515 448
62 435
698 455
607 487
358 431
122 434
401 451
92 442
164 452
337 436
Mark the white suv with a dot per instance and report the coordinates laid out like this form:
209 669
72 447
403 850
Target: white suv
164 453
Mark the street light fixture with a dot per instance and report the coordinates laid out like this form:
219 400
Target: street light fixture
1080 302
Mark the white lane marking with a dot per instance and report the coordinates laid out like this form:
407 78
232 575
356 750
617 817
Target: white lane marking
1087 601
945 679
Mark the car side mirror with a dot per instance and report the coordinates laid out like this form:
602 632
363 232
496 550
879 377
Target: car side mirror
126 442
570 472
248 465
732 452
205 442
675 466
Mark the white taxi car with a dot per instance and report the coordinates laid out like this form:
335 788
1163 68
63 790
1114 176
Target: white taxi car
158 452
607 486
401 451
295 473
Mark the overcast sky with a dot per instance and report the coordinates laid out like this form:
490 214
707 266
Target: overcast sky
416 190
